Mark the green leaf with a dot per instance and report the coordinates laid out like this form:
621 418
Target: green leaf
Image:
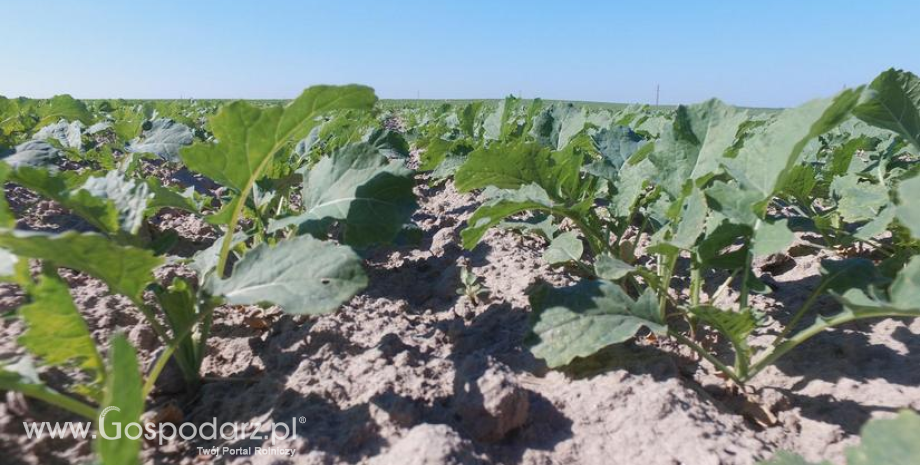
64 188
632 182
389 143
610 268
33 154
56 331
772 237
556 125
840 276
68 135
164 139
692 221
357 186
735 203
716 248
892 101
564 248
303 275
617 144
905 290
888 441
877 225
129 197
63 107
126 270
124 404
539 225
503 204
22 377
908 212
510 166
769 154
693 145
250 136
735 326
180 305
858 201
580 320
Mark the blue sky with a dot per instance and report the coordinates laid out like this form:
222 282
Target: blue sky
765 53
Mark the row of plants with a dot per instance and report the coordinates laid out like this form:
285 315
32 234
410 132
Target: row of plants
303 189
645 206
631 202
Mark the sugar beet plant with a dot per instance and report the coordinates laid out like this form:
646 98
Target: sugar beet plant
300 259
708 191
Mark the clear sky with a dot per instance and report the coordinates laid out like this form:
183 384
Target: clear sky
763 53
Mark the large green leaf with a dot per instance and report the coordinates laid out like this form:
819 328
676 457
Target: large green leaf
771 237
858 201
693 145
610 268
357 186
249 136
908 212
513 165
123 404
64 188
164 139
632 182
892 101
63 107
579 320
303 275
564 248
889 442
126 270
128 197
56 331
692 220
737 204
502 204
556 125
33 154
769 153
69 135
617 144
885 441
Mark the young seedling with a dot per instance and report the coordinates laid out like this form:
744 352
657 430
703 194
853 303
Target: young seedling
471 286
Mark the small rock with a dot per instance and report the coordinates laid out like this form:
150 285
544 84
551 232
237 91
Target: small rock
143 337
490 402
443 239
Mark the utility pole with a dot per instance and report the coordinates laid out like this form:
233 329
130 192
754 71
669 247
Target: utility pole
657 93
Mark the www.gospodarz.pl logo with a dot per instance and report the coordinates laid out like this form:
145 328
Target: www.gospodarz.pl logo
165 432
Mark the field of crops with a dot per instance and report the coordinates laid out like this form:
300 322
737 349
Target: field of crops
516 281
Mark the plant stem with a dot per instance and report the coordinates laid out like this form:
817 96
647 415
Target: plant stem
50 396
695 284
705 354
774 353
800 313
748 260
171 348
228 235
